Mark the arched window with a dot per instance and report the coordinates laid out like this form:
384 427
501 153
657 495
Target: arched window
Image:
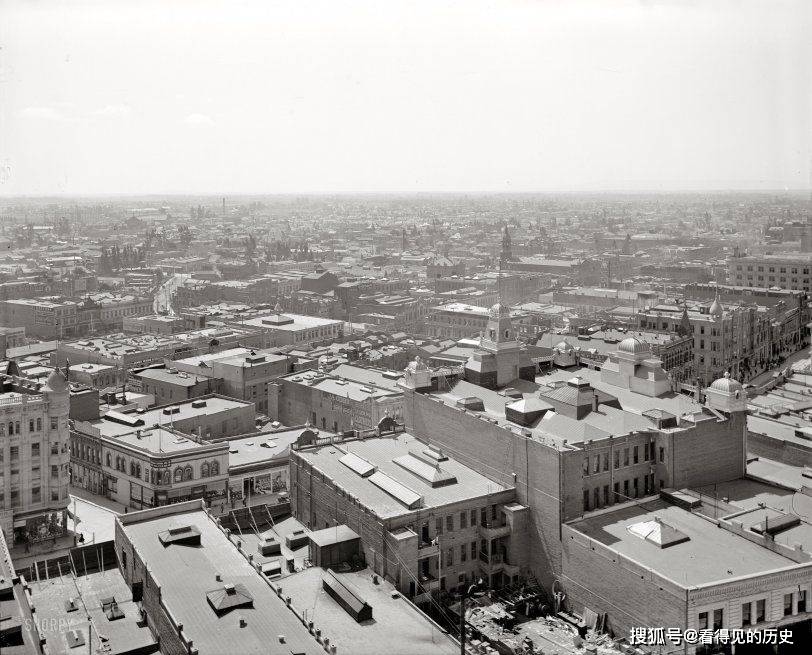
204 470
167 476
109 460
10 427
187 473
30 425
179 474
138 471
215 468
132 468
17 427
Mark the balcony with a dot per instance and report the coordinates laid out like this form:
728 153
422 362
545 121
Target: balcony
491 531
428 582
427 549
492 560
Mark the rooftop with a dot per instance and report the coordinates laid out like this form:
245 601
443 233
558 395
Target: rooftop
396 486
187 574
703 559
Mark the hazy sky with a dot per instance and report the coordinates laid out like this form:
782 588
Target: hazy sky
392 96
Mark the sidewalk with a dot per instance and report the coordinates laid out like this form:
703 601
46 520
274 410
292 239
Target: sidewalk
95 499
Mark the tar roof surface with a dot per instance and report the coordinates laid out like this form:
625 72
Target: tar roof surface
251 451
704 558
380 451
186 574
396 627
54 621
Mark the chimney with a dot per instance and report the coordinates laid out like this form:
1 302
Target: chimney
595 402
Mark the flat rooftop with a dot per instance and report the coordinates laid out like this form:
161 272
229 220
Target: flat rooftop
396 623
299 322
380 453
87 591
259 448
109 426
186 574
703 559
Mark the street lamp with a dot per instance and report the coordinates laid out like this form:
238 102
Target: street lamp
474 589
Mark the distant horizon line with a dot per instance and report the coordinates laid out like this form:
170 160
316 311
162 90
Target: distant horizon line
405 194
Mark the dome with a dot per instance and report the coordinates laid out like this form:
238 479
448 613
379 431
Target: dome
726 384
56 382
716 308
563 346
633 346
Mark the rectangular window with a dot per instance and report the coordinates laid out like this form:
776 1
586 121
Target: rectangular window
717 619
625 457
662 454
761 607
586 466
54 449
586 500
54 422
36 494
14 453
617 492
35 450
438 526
596 463
606 461
473 550
636 454
787 604
449 557
54 471
473 518
703 621
636 487
463 553
449 523
625 490
606 494
596 497
463 520
617 459
802 601
746 608
54 494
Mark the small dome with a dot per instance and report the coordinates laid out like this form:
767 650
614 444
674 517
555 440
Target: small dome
726 384
563 347
56 382
632 345
716 308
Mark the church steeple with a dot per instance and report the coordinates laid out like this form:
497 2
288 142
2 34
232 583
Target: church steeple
685 322
506 254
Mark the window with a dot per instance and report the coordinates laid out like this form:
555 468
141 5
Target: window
596 497
39 425
625 457
662 454
215 468
178 474
109 460
449 557
54 449
625 490
606 461
787 604
35 449
746 608
14 453
717 619
586 466
801 601
617 459
36 494
31 425
761 607
54 422
438 526
586 500
463 553
187 473
606 494
204 470
703 621
54 471
54 494
596 463
473 550
636 454
463 519
473 518
616 489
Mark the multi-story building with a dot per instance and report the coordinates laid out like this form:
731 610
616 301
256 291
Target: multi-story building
347 398
583 443
280 329
159 456
765 271
742 339
33 458
460 321
426 521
